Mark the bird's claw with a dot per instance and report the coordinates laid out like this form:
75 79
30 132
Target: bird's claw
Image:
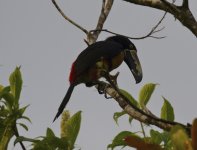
102 90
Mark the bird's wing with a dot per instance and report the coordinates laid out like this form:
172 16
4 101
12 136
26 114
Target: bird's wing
94 52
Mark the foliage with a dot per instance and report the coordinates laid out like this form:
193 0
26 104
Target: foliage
11 112
50 141
10 109
176 139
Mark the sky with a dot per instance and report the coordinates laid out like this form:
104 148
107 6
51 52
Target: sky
35 36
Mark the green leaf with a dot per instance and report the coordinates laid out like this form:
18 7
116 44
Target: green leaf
167 111
119 139
22 138
117 115
180 139
145 93
22 110
4 112
55 142
156 137
1 87
50 133
24 126
71 128
51 143
8 97
4 90
166 140
6 132
9 100
63 143
26 118
16 83
2 128
130 119
40 145
129 96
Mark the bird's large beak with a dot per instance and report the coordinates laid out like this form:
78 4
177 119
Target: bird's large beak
133 63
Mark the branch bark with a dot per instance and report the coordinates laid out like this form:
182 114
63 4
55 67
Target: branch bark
137 113
106 7
182 13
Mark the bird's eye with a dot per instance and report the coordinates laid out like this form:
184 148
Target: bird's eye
131 46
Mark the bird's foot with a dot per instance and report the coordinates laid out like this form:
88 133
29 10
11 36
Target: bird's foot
101 87
99 90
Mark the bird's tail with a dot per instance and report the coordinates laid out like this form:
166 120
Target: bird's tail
65 101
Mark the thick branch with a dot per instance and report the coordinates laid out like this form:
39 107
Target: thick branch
182 13
185 4
138 114
106 7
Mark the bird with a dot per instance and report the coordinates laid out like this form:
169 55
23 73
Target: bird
99 57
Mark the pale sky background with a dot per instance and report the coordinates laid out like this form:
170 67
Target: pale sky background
34 35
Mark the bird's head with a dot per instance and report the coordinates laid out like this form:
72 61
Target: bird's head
130 55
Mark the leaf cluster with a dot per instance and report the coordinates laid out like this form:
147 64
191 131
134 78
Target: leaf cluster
176 139
50 141
11 113
10 110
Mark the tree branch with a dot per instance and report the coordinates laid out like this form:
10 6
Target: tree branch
182 13
68 19
185 4
150 34
106 7
137 113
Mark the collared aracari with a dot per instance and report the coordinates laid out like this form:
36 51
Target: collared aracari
102 56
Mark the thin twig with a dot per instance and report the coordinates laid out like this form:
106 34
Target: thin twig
17 135
68 19
171 6
143 131
150 34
